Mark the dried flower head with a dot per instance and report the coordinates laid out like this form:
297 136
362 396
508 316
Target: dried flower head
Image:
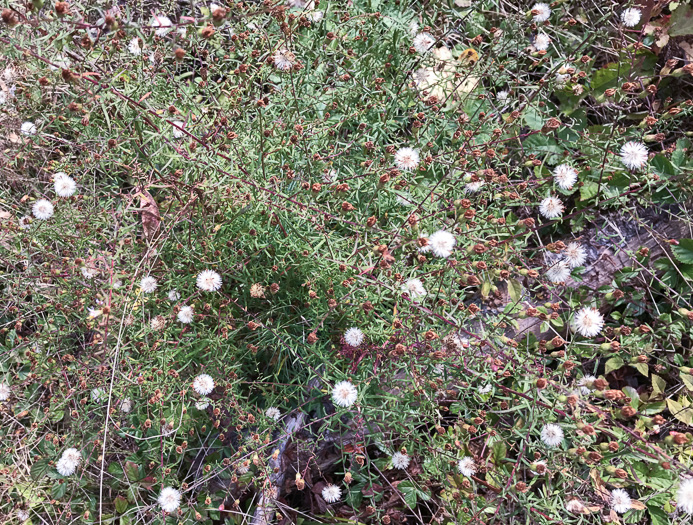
415 288
5 391
631 17
543 12
68 462
284 59
441 243
407 158
28 128
64 185
684 496
620 501
541 42
575 255
273 413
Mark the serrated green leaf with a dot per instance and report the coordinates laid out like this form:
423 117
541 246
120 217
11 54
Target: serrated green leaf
121 504
39 469
684 251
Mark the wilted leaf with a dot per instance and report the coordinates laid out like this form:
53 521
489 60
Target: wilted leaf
151 219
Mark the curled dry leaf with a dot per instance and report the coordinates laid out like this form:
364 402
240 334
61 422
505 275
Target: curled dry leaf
151 219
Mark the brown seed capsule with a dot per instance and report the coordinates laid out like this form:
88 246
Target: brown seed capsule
9 17
61 8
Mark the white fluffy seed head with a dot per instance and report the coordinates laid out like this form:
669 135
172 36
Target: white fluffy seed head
284 59
400 461
415 288
209 281
543 12
148 284
551 207
5 391
28 128
134 47
684 496
162 24
331 493
126 405
178 133
353 336
588 322
565 176
68 462
423 42
575 255
64 185
541 42
173 295
466 466
43 209
169 499
442 243
634 155
552 435
344 394
631 17
186 315
203 384
620 501
558 272
273 413
407 158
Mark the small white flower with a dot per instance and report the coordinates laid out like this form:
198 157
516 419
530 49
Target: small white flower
684 496
541 42
620 501
400 461
552 435
93 313
126 405
284 59
415 288
24 222
64 185
423 42
543 12
353 336
562 79
558 272
169 499
588 322
162 24
407 158
28 128
22 515
331 493
502 96
631 17
186 315
5 391
344 394
134 47
442 243
273 413
43 209
413 27
485 389
202 403
148 284
634 155
565 176
466 466
68 462
98 395
117 283
209 281
173 295
575 255
551 207
203 384
178 133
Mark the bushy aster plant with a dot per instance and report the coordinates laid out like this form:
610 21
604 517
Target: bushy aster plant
372 261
